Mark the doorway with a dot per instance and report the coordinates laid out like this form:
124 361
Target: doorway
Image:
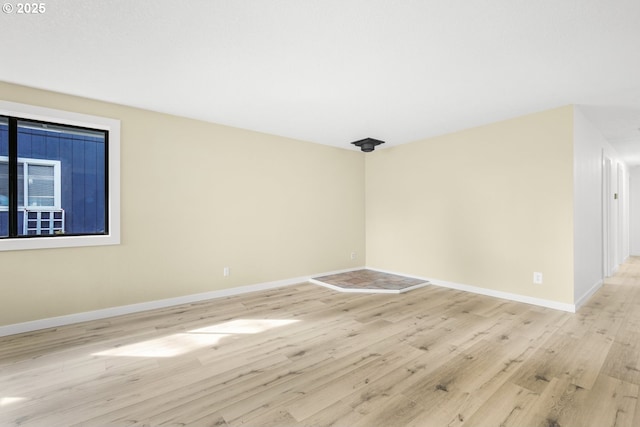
613 218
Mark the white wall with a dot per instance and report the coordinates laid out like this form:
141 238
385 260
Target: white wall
589 148
634 211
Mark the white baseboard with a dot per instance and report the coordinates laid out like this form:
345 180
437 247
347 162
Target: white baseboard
584 298
69 319
571 308
54 322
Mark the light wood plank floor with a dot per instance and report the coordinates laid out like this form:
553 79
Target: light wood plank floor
308 356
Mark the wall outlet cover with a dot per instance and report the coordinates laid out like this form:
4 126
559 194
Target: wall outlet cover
537 278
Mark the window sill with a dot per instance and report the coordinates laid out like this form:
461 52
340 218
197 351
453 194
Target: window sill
42 242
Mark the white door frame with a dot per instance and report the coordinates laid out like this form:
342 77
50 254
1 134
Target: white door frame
607 196
619 207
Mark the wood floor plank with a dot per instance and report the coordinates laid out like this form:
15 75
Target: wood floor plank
504 408
561 355
400 411
565 404
173 391
342 386
461 385
611 403
623 361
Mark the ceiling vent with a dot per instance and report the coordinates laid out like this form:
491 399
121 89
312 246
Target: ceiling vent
368 144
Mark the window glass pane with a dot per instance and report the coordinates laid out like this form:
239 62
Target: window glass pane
4 177
62 176
40 186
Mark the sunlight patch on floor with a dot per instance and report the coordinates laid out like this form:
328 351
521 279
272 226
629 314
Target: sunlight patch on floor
170 346
185 342
6 401
244 326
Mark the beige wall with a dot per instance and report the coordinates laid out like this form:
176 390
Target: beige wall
196 197
484 207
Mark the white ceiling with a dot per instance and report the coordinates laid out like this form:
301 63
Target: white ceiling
334 71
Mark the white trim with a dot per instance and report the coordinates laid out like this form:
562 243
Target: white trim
53 322
571 308
83 120
584 298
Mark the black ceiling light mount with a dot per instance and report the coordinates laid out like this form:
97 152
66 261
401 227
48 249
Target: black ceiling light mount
368 144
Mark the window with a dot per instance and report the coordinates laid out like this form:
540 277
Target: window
38 183
59 183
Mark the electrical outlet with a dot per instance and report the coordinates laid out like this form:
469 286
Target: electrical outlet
225 271
537 278
354 255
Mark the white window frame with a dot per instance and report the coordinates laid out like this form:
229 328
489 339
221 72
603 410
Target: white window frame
30 112
57 186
